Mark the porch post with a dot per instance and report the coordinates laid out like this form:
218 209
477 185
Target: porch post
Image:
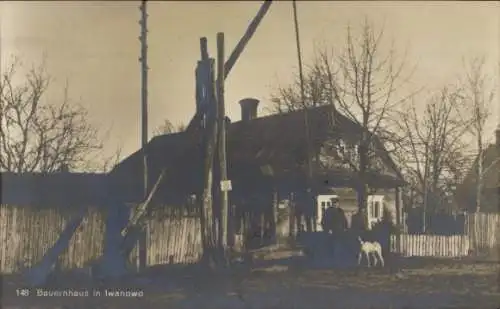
399 205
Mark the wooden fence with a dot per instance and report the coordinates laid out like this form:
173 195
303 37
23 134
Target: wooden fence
430 245
174 241
481 236
27 234
483 230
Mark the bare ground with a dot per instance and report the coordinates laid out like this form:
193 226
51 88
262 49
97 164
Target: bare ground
273 283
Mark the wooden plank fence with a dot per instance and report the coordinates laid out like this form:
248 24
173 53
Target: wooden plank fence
483 230
431 245
174 241
26 235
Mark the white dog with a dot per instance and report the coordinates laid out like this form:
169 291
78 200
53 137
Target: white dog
368 248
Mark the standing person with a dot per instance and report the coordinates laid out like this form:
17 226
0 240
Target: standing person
327 219
358 223
358 229
308 205
322 215
293 215
327 226
315 213
339 223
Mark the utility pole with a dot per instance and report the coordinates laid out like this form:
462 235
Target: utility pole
144 89
144 114
306 116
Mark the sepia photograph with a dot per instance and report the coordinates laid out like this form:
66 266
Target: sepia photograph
250 154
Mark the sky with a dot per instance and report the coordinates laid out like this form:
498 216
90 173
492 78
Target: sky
94 46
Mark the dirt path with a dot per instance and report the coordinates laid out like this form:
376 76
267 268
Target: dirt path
439 285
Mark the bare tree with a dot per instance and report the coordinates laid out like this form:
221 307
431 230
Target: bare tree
432 151
362 83
479 93
168 128
288 98
105 164
38 135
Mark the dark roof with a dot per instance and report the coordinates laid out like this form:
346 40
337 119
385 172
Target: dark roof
53 189
281 138
180 155
276 140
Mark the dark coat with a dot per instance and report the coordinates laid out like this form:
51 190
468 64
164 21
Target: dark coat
357 222
339 219
334 219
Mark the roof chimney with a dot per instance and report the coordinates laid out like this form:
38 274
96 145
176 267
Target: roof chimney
249 109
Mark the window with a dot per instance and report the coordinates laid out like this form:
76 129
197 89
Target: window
376 210
328 204
323 204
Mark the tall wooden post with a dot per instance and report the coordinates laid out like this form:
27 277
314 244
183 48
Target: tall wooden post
221 124
205 98
144 112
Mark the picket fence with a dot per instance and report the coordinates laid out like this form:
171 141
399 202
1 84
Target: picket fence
430 245
27 234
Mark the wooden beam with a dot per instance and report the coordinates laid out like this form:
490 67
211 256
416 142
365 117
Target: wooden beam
134 228
38 274
141 210
246 37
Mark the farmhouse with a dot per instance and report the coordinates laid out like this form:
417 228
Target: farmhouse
266 156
